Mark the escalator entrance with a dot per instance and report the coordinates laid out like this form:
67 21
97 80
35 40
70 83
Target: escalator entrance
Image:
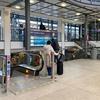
25 71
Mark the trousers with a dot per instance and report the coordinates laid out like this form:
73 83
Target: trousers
49 69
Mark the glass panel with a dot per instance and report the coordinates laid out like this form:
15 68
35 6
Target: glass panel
77 32
18 24
1 28
66 31
71 32
17 28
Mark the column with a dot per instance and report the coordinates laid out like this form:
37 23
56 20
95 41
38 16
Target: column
86 33
27 25
61 33
7 30
80 35
7 44
7 37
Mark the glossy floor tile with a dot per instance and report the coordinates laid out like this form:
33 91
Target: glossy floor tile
2 92
80 81
70 93
26 83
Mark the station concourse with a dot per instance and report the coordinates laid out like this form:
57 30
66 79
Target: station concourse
25 28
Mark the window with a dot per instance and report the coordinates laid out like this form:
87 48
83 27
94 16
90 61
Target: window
94 31
71 32
66 32
77 32
17 20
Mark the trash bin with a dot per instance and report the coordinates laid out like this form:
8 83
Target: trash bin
94 53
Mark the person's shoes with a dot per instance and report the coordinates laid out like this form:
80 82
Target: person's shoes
52 77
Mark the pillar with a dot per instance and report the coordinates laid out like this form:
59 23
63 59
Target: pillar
7 43
61 33
7 31
7 37
27 25
86 33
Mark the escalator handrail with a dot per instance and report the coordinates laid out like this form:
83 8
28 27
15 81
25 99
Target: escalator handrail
41 59
42 64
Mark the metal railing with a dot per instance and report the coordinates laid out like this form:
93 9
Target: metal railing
3 72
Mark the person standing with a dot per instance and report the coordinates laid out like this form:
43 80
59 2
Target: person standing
42 27
56 47
48 50
54 43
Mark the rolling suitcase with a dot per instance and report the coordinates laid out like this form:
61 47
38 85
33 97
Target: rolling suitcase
59 68
60 65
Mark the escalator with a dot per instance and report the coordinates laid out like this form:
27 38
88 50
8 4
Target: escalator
27 62
76 52
87 48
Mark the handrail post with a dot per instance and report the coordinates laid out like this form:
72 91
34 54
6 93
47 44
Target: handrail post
52 64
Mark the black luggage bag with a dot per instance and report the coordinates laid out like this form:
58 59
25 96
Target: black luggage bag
60 65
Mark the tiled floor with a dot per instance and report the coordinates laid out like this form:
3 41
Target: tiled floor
26 83
80 81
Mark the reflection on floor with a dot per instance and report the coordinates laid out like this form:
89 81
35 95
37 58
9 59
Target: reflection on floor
2 92
80 81
21 82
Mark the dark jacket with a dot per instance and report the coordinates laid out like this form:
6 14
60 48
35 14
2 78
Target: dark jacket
55 44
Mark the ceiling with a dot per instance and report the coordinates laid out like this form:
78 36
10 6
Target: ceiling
89 2
53 8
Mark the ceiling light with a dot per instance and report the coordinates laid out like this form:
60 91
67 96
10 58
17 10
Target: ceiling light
17 7
75 19
99 19
78 14
63 4
32 1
